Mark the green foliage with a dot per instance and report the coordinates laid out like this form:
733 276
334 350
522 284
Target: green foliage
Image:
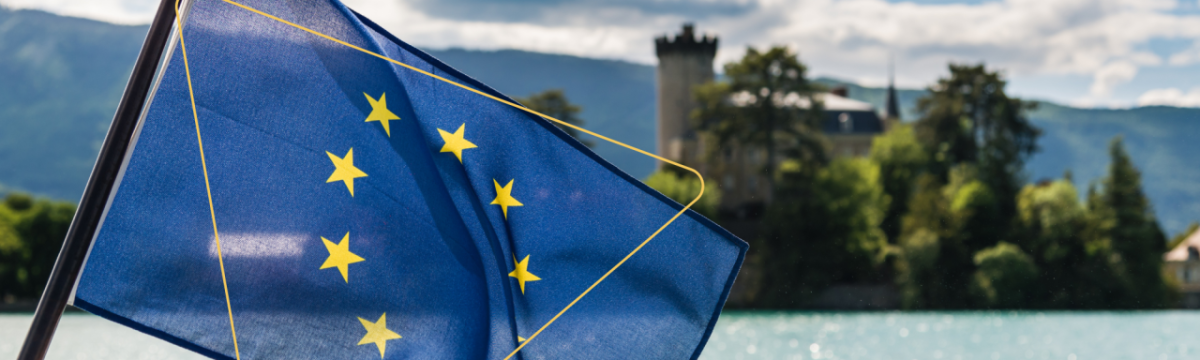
1059 234
1003 276
943 227
554 103
968 118
901 159
31 234
683 189
1124 220
752 109
822 229
1059 253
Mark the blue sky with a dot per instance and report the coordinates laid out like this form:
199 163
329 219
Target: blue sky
1101 53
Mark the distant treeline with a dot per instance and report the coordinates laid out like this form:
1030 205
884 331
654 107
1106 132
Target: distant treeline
940 211
31 233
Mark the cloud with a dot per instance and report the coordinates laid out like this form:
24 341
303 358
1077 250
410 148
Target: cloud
853 39
1186 57
1111 75
114 11
1170 97
549 12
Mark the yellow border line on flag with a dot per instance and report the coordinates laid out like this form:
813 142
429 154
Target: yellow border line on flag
489 96
204 165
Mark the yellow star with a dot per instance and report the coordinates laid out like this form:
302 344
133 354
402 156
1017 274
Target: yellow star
455 143
380 112
522 273
504 197
377 333
340 256
345 170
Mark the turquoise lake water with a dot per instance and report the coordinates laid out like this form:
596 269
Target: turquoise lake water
1158 335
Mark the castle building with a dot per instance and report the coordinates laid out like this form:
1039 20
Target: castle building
684 61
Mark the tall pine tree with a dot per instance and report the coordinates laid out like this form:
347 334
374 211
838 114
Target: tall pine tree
1125 219
968 118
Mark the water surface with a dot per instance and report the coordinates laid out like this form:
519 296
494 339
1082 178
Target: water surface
1158 335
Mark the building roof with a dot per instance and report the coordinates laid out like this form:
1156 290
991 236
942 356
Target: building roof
837 103
1180 252
849 116
843 116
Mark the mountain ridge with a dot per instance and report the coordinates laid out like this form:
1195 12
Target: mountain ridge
68 75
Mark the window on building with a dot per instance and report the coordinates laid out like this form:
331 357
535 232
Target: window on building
846 123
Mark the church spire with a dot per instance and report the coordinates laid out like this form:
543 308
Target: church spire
893 105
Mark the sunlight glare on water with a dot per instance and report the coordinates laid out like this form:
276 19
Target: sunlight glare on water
1163 335
955 335
87 337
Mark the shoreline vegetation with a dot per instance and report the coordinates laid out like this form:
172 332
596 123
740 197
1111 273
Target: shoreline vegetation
940 214
32 231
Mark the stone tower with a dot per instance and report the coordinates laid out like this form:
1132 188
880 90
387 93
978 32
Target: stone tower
684 61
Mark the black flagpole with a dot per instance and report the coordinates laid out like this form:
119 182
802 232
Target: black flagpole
99 186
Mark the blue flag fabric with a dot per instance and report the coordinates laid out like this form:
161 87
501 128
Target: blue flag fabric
367 210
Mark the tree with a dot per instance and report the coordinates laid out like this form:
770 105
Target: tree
683 188
1055 229
823 230
968 118
901 160
1004 276
767 103
554 103
938 239
1126 222
31 234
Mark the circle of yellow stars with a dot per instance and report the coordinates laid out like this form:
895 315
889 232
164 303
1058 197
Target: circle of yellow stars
340 256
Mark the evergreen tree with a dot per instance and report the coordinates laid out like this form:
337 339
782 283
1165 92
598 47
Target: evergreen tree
977 139
968 118
1126 221
766 104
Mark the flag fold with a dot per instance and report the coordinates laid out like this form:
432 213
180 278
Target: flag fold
364 209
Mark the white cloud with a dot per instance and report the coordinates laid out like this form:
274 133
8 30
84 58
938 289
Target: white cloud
114 11
1102 39
1170 97
1111 75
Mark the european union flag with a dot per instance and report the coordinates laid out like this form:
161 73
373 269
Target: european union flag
324 203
